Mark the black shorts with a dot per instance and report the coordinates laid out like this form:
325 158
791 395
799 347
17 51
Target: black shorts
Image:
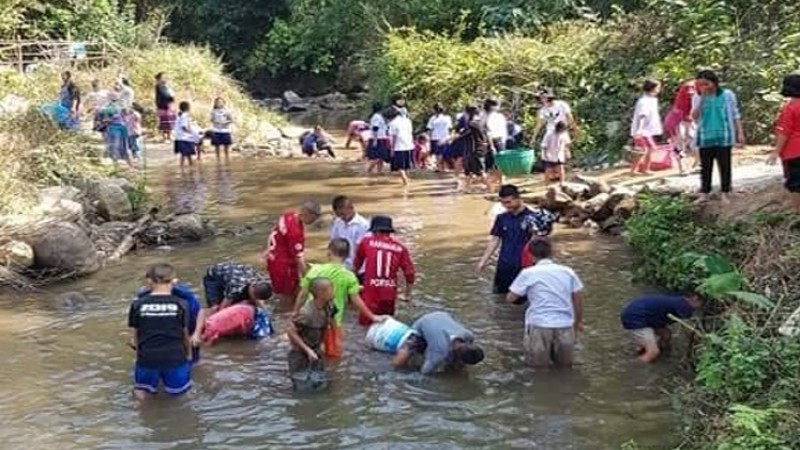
475 165
549 165
214 289
504 276
401 160
791 172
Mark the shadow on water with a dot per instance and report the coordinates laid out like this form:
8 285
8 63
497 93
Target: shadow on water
67 367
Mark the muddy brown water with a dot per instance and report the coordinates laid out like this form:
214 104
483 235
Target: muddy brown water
66 368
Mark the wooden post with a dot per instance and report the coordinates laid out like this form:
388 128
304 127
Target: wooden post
20 58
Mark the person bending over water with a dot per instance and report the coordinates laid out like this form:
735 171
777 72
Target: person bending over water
284 256
648 320
159 323
307 328
226 284
445 343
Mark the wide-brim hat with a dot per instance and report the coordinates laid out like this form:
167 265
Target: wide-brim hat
381 224
791 86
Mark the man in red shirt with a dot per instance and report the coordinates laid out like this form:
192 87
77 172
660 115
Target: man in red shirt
382 257
284 255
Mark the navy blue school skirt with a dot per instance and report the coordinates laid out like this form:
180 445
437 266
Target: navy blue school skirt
221 139
185 148
402 160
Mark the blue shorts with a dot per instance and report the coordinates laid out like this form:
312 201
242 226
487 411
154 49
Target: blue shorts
185 148
221 139
441 150
401 160
176 381
378 150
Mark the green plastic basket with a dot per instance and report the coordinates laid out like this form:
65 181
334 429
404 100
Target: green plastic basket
515 162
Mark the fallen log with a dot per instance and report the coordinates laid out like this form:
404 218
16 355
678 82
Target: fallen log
130 239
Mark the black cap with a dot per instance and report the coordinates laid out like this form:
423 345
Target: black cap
791 86
381 224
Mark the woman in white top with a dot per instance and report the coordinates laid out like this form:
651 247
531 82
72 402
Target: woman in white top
552 112
221 121
186 134
646 124
378 148
439 126
401 132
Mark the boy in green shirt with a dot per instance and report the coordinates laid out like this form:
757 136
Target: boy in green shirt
345 287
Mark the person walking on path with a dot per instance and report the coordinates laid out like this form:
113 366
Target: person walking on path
165 102
787 139
646 125
680 127
284 256
350 226
445 343
554 317
383 258
719 128
510 232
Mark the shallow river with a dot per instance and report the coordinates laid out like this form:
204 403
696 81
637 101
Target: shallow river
66 368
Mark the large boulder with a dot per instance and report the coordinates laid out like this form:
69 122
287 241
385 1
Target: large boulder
596 185
556 200
188 227
61 202
335 101
293 102
576 190
16 255
65 248
111 200
596 209
625 208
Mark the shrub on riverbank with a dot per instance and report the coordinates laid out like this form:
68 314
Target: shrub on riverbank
745 373
35 153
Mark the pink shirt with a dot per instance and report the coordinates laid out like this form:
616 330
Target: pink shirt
133 122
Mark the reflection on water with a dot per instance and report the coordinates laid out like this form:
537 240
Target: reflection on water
66 371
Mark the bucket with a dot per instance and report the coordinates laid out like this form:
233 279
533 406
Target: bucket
515 162
388 336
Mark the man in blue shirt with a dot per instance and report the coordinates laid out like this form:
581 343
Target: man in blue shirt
511 232
648 318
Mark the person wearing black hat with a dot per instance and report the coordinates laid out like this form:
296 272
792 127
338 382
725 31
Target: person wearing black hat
787 139
382 257
552 112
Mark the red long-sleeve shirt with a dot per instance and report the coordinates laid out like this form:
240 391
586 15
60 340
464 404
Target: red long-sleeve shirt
382 258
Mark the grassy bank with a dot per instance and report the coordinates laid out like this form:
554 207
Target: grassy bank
34 153
742 392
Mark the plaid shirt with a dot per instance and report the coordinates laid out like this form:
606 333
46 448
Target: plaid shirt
235 278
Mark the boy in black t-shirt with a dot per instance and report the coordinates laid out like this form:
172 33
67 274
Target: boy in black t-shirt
159 323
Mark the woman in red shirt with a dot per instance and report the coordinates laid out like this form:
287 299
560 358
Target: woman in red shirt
680 126
787 139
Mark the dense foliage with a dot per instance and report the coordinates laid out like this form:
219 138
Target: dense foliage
744 391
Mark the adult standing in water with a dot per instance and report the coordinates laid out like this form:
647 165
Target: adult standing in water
552 112
496 127
554 317
348 225
284 255
70 96
719 128
510 232
164 104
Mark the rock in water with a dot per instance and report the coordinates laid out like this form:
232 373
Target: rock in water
596 207
111 200
625 208
187 227
65 248
71 300
16 254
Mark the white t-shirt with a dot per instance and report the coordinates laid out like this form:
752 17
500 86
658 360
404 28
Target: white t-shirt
555 147
497 126
126 96
378 122
185 128
556 112
549 288
646 118
401 130
221 120
440 125
97 100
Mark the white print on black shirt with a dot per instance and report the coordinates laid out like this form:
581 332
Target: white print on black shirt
158 310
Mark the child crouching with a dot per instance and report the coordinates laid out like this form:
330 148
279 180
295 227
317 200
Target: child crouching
159 323
308 326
